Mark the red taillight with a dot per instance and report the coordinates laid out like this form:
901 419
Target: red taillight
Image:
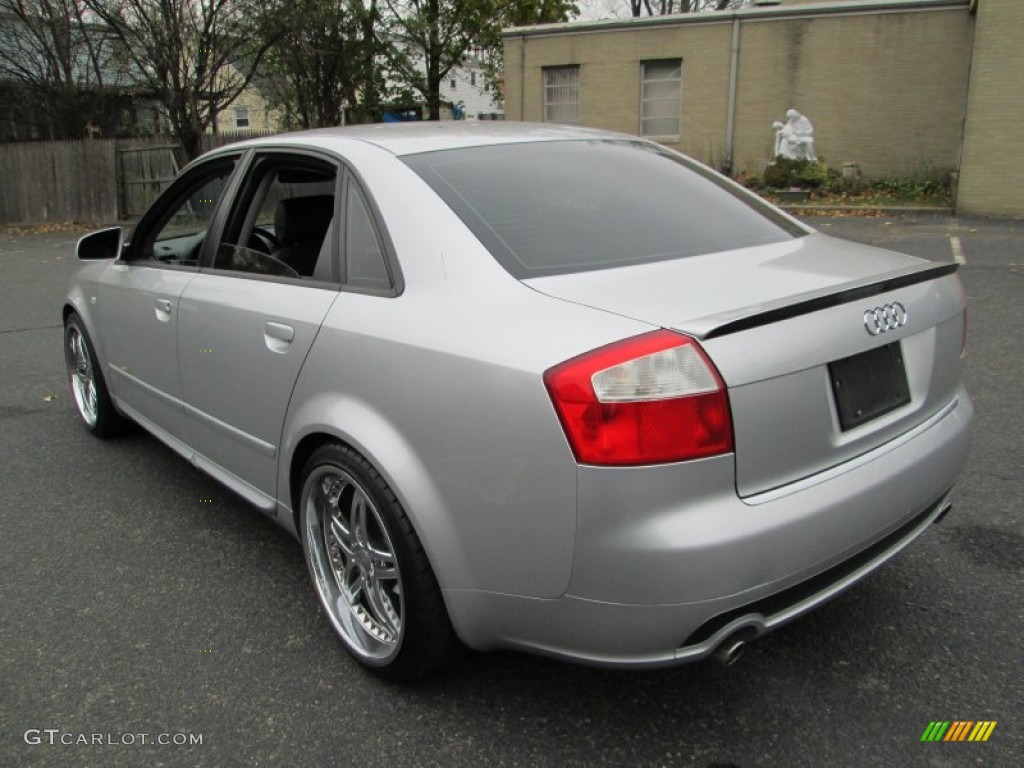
651 399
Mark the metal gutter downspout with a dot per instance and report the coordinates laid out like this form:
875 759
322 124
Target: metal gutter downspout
730 120
522 77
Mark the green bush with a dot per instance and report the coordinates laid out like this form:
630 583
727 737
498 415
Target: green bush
785 173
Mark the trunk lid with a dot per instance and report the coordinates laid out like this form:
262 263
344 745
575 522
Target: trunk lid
776 319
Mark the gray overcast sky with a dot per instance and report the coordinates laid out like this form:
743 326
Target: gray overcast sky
603 9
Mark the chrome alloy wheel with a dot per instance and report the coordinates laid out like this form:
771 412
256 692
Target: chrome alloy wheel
83 377
354 565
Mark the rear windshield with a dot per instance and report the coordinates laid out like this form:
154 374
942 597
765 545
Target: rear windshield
551 208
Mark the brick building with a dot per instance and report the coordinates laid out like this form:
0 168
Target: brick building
907 88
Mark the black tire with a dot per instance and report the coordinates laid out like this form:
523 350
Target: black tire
369 569
88 389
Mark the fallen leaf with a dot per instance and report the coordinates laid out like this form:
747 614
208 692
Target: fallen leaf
49 398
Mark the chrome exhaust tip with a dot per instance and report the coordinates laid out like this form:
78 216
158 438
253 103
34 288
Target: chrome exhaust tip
729 652
945 511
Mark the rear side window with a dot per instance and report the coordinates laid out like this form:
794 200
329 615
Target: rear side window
552 208
365 263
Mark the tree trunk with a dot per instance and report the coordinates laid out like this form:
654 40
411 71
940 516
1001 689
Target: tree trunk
190 136
433 62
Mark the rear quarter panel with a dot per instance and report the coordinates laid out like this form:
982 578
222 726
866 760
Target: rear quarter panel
441 389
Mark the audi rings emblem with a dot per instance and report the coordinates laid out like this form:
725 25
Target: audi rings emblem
885 318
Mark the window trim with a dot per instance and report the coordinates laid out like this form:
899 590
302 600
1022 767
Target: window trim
544 93
675 137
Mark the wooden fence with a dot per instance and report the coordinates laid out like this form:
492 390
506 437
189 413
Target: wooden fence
58 181
90 181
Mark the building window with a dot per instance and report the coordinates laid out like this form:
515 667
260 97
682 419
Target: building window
451 83
241 117
661 87
562 94
472 78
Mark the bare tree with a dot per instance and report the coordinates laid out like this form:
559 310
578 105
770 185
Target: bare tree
666 7
58 62
196 55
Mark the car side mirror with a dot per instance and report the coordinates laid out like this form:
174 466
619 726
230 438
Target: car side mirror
105 244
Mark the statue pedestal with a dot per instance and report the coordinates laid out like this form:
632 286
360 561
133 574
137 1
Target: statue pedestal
791 195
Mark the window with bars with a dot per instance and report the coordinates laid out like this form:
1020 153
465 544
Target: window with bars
562 94
661 87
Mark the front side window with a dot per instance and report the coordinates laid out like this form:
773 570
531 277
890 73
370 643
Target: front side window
562 94
661 86
182 222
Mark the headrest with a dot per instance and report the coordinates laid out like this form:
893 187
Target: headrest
303 219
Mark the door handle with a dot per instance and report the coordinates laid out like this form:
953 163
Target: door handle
278 337
279 331
163 310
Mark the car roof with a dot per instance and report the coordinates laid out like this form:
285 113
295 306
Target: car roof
430 136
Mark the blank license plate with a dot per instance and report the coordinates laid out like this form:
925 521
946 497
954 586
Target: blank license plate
868 385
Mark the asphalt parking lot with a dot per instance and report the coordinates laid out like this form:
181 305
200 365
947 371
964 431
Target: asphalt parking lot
139 597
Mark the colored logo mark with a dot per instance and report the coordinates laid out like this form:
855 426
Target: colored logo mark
958 730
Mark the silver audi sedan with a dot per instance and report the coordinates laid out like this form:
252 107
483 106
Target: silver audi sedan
528 386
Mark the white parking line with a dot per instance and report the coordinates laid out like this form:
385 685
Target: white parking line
958 249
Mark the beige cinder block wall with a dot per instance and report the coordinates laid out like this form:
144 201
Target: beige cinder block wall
992 173
885 90
609 64
885 84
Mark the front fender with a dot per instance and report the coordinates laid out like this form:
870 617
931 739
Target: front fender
81 299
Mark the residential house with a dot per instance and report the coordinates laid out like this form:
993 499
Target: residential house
250 111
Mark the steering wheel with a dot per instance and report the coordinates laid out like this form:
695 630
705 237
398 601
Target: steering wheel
263 240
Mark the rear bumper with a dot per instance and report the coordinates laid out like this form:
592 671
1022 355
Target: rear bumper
667 577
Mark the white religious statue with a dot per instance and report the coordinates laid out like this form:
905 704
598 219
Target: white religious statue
794 138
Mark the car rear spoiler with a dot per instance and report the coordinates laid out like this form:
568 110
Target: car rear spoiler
745 318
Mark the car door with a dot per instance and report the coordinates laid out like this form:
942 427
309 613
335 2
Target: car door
137 299
248 320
